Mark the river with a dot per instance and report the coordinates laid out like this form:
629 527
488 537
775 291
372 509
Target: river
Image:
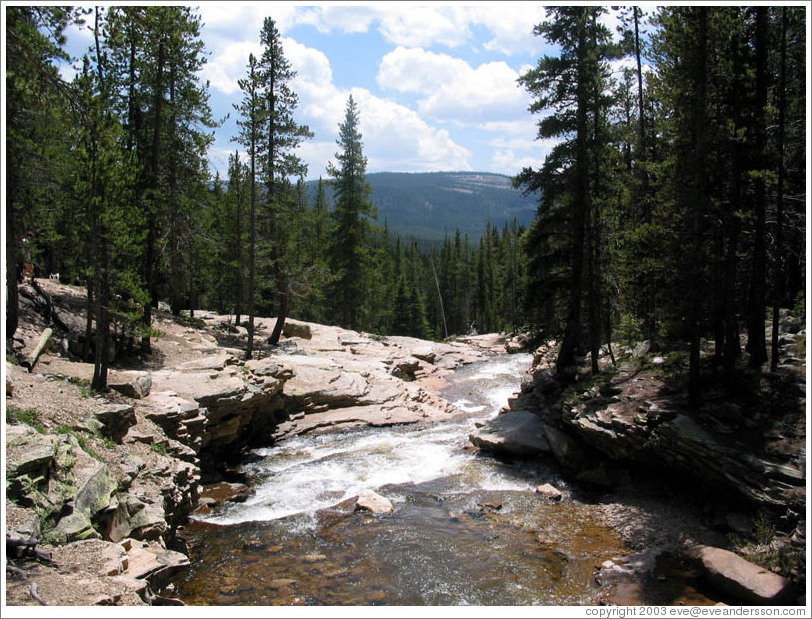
467 529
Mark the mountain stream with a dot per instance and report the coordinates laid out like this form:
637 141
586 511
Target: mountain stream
467 529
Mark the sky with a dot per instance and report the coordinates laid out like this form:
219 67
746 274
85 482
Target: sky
435 83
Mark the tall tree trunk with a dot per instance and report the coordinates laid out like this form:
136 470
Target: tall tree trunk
175 262
778 284
697 199
14 265
581 210
282 290
150 268
756 338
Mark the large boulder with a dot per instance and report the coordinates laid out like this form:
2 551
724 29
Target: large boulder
80 488
515 433
135 518
115 420
297 329
744 581
133 385
29 459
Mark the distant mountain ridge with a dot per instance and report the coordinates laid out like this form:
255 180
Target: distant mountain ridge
431 205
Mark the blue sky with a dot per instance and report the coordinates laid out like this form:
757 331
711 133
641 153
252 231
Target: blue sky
435 83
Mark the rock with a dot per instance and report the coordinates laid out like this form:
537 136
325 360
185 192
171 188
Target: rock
79 488
148 560
136 519
549 491
28 452
643 348
426 354
405 368
215 494
745 581
516 433
370 501
137 388
115 420
564 448
297 329
739 523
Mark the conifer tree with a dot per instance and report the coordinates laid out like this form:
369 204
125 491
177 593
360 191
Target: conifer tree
279 162
572 84
349 250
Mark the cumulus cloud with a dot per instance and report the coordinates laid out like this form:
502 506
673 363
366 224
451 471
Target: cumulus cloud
509 162
347 19
510 24
229 65
396 138
453 89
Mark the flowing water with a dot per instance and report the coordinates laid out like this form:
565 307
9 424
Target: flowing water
466 529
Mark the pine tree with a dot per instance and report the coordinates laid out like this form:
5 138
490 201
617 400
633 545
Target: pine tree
250 123
349 250
33 97
573 84
279 162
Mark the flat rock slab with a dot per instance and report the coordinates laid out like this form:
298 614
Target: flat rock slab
516 433
741 579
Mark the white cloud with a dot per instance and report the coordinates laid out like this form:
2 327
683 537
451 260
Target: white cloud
426 26
449 25
454 89
417 70
396 138
511 24
230 65
507 161
230 21
348 19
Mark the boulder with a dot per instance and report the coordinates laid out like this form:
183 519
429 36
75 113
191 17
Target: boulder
81 486
115 420
549 491
28 452
297 329
137 519
137 387
744 581
147 561
370 501
516 433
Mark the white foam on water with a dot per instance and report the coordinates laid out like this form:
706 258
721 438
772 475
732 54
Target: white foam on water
468 406
304 474
325 474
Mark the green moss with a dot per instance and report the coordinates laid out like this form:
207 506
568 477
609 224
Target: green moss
28 416
159 448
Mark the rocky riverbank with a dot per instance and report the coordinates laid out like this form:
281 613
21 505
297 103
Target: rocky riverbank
97 485
732 471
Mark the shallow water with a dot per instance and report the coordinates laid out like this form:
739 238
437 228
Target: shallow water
466 529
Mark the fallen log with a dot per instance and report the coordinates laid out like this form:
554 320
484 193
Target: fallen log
32 359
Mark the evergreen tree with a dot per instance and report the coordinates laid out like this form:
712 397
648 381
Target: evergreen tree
279 162
349 249
573 84
34 96
249 136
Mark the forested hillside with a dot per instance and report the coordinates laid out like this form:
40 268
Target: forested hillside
672 207
433 205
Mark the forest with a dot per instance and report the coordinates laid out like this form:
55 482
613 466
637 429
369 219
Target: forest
671 210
